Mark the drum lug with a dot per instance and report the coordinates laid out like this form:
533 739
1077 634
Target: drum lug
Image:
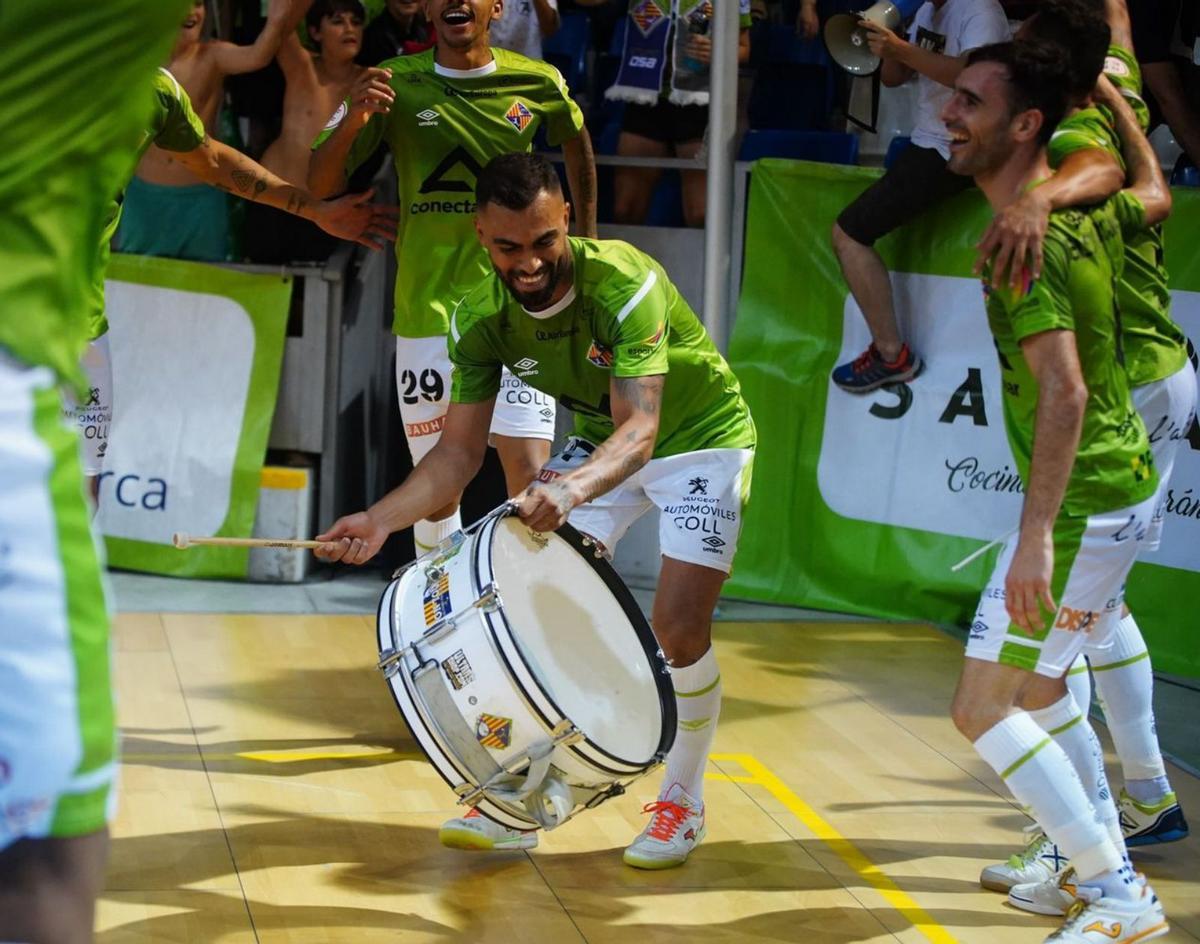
614 790
389 661
489 601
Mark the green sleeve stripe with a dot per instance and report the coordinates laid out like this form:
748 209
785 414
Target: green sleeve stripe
704 691
1124 662
1066 727
1017 765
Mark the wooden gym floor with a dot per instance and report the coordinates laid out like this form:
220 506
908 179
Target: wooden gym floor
270 793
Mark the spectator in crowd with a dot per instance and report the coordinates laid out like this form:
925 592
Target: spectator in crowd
664 76
166 212
942 33
317 85
400 30
1172 82
523 25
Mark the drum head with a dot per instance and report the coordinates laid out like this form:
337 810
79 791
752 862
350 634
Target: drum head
584 639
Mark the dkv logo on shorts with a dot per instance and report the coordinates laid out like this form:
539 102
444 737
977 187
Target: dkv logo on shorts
1076 621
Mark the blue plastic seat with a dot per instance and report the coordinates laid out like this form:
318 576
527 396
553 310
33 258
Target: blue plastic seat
899 143
830 147
567 50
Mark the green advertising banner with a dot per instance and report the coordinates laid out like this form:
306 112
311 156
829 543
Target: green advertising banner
867 502
196 356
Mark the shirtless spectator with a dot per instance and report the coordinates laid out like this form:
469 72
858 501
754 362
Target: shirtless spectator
166 212
400 30
317 84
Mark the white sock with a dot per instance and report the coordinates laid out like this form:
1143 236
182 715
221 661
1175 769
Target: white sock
1071 731
429 534
698 704
1079 683
1040 776
1125 683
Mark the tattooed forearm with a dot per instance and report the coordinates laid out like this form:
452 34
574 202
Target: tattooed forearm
297 203
581 173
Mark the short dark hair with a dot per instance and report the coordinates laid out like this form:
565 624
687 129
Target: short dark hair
1036 79
513 181
323 8
1078 28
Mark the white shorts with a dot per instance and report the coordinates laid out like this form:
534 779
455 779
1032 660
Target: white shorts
93 417
1092 558
1168 408
423 386
700 496
57 729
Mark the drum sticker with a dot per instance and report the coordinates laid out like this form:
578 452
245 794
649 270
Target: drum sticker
437 599
458 670
492 731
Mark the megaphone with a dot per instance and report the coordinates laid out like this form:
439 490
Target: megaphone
846 39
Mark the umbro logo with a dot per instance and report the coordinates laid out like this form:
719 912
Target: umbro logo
526 366
427 117
712 541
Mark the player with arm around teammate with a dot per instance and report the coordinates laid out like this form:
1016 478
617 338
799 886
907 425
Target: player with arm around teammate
1085 461
173 125
1086 154
444 114
660 422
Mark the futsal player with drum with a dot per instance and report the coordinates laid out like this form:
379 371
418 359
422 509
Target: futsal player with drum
660 422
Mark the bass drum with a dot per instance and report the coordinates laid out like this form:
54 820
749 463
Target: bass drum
526 672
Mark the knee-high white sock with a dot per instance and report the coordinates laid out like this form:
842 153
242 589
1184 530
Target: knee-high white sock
429 534
698 703
1125 683
1079 683
1071 731
1041 777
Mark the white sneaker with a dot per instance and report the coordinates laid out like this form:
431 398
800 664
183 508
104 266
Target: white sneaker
1144 824
1055 896
1037 862
674 830
1113 921
476 832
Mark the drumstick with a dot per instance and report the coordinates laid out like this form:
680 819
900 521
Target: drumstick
983 550
183 540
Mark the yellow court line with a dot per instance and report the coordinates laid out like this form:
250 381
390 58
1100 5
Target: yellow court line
269 757
842 847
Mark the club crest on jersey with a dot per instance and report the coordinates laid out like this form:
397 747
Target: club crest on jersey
647 15
600 355
519 116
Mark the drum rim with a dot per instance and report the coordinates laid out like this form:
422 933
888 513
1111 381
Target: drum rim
641 627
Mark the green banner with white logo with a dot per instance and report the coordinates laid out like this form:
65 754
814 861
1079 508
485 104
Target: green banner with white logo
863 504
196 357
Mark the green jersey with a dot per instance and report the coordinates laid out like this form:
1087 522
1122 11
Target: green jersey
1155 347
67 143
173 126
621 318
1082 255
444 125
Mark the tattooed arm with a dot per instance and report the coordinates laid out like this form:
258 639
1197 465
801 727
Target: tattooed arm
581 175
354 217
636 402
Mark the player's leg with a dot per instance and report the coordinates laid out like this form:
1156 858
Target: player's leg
57 730
700 496
522 431
642 135
1117 15
918 179
423 390
1124 678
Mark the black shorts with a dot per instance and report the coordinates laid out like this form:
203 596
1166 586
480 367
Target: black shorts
916 181
666 123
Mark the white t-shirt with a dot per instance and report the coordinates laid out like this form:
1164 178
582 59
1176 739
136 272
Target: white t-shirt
954 29
517 29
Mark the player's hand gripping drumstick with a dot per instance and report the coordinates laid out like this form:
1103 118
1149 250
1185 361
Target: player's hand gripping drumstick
184 541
